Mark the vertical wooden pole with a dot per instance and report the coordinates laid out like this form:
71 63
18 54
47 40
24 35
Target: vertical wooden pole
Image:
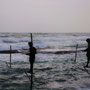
31 87
31 66
76 53
10 55
31 38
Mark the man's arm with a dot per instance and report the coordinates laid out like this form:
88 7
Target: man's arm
35 50
86 50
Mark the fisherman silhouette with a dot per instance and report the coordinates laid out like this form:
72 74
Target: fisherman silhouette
32 52
88 51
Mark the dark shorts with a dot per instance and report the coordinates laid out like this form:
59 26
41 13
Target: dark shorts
32 60
88 56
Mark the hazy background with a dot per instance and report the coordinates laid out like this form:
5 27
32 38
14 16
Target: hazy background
44 15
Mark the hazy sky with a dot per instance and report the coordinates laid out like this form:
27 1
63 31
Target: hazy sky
44 15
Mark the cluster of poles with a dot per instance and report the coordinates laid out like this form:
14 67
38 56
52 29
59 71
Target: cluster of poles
10 62
30 77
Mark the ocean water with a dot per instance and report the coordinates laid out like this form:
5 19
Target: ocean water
51 71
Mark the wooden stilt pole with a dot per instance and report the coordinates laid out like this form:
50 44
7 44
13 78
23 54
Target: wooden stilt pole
31 37
31 87
32 46
31 66
30 77
76 53
10 56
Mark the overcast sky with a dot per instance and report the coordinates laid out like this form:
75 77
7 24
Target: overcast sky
44 15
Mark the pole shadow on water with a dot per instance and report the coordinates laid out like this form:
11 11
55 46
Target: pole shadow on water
87 71
31 86
30 77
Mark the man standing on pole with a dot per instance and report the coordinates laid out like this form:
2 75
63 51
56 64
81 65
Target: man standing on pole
32 52
88 51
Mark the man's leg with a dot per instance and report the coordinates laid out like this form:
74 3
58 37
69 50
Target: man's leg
32 62
31 70
30 65
87 62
